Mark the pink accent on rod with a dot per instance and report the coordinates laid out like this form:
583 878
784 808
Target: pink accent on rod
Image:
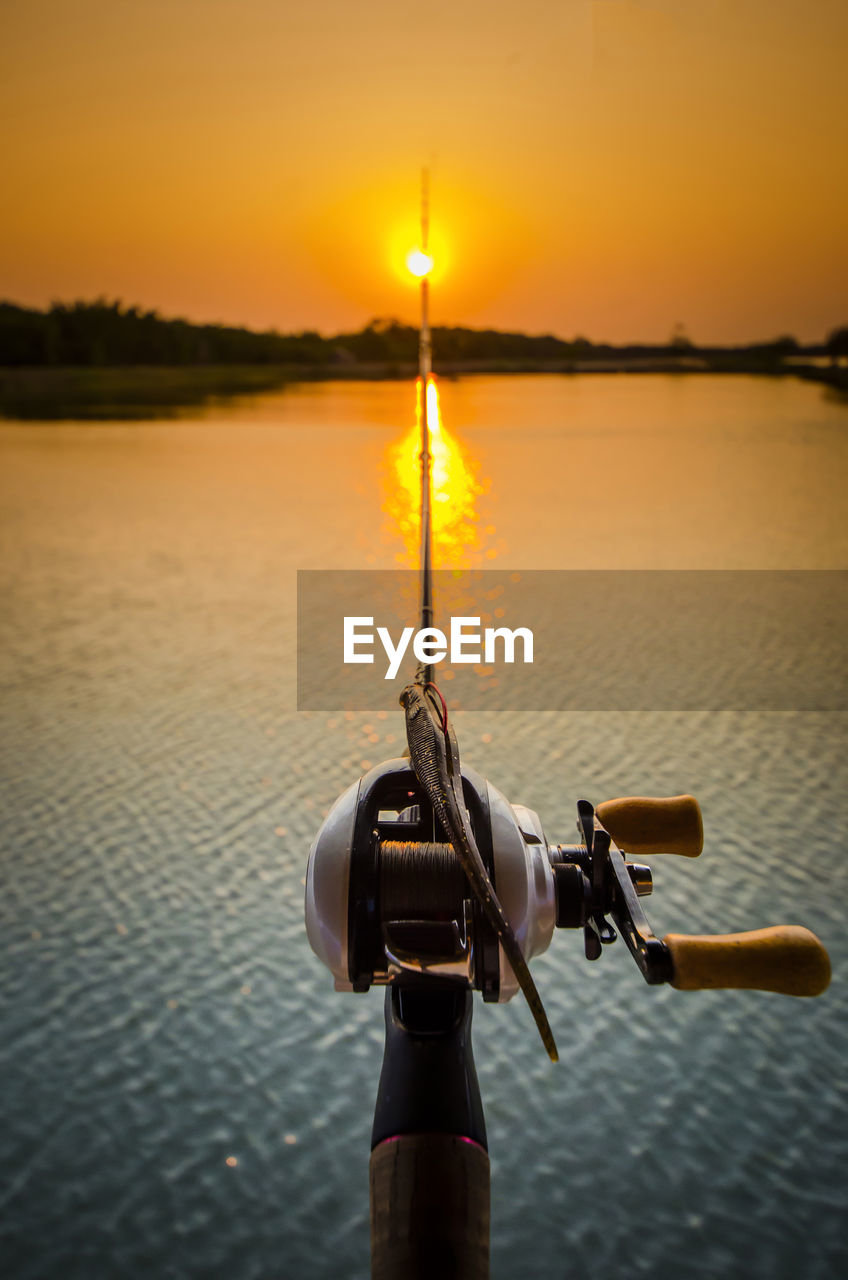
460 1137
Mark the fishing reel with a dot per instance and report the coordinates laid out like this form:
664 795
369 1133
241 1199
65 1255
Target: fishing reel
387 898
386 895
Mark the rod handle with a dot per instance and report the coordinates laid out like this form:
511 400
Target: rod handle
784 957
429 1208
646 824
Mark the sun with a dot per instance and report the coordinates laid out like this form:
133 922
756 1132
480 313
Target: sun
419 263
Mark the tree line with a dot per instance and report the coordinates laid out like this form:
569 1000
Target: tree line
107 333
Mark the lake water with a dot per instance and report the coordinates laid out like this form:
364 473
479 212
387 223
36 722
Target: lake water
184 1094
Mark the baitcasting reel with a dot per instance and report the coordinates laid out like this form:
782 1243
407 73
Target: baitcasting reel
387 897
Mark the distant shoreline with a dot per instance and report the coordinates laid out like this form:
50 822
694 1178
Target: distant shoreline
101 360
135 392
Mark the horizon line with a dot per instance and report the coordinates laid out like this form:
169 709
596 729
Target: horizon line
678 336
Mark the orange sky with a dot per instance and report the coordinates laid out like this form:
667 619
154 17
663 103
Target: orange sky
603 167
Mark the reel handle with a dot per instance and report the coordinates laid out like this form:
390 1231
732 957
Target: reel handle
644 824
785 958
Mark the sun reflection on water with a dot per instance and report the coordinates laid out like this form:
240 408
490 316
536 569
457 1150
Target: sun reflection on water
456 488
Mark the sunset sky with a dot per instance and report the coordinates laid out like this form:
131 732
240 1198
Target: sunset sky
599 167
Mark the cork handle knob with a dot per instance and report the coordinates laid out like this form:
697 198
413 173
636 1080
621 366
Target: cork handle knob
643 825
784 958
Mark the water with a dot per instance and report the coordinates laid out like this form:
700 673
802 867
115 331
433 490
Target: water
184 1094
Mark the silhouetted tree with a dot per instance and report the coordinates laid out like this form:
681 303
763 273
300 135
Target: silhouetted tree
680 340
837 344
785 345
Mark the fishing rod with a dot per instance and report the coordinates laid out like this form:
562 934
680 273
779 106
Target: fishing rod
425 879
425 456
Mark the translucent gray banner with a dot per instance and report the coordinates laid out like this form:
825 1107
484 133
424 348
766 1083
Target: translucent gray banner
608 640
